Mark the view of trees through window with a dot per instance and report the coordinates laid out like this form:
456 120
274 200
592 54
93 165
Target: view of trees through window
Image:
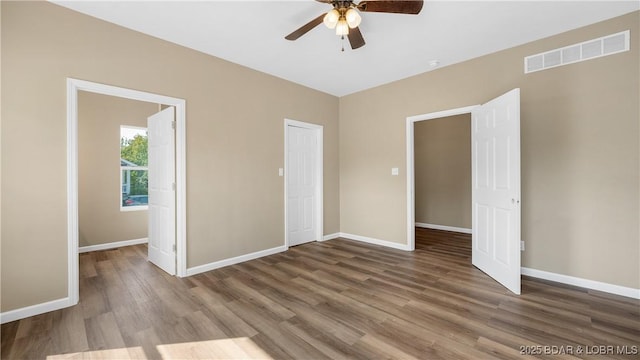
133 167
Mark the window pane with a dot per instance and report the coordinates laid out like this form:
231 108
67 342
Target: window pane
133 164
135 187
133 146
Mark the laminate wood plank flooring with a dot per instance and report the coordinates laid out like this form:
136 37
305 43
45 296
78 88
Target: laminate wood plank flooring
338 299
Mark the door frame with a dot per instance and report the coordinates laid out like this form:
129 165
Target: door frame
411 181
73 87
319 129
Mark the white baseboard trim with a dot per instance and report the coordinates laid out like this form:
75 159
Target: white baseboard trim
33 310
584 283
234 260
443 227
330 236
374 241
113 245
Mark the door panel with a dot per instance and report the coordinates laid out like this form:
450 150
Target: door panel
482 237
162 200
496 189
301 185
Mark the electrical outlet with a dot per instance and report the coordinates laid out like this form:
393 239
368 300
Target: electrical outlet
522 245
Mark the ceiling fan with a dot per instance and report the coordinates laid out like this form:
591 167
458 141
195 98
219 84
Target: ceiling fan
345 17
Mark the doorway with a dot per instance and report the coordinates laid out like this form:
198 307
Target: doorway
442 156
495 144
303 182
73 87
112 201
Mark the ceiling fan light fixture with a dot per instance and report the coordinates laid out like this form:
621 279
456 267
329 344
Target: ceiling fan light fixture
331 19
345 17
342 28
353 18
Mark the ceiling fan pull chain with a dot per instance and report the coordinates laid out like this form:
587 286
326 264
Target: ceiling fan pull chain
342 43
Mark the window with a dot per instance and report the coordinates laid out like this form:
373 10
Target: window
134 173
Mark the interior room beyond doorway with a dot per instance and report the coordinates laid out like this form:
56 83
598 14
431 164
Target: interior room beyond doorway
442 158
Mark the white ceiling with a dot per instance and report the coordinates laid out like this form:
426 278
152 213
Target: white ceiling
251 33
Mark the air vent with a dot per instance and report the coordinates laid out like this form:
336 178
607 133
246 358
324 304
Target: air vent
591 49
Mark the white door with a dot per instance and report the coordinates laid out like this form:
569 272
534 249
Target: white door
162 199
496 189
301 185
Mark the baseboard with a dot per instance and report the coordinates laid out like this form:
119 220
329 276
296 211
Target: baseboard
443 227
374 241
113 245
33 310
330 236
584 283
235 260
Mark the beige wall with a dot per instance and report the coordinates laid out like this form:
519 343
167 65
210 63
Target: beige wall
235 141
580 152
442 158
0 149
99 121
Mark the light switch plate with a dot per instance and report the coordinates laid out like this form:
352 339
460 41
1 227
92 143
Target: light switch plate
280 172
394 171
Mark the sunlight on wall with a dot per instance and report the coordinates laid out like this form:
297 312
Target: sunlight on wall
235 348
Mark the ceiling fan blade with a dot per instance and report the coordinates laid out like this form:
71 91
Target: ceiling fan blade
392 6
355 38
305 28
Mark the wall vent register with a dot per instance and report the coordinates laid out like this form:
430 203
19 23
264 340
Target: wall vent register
591 49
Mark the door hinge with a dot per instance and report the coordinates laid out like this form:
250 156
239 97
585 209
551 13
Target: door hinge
173 125
174 248
173 186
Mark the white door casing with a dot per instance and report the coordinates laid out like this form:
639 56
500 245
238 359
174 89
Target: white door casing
495 149
303 182
74 86
162 197
410 140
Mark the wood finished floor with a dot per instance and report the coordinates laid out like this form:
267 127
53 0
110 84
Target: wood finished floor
334 299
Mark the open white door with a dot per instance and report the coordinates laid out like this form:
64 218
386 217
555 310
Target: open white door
496 189
302 185
162 198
